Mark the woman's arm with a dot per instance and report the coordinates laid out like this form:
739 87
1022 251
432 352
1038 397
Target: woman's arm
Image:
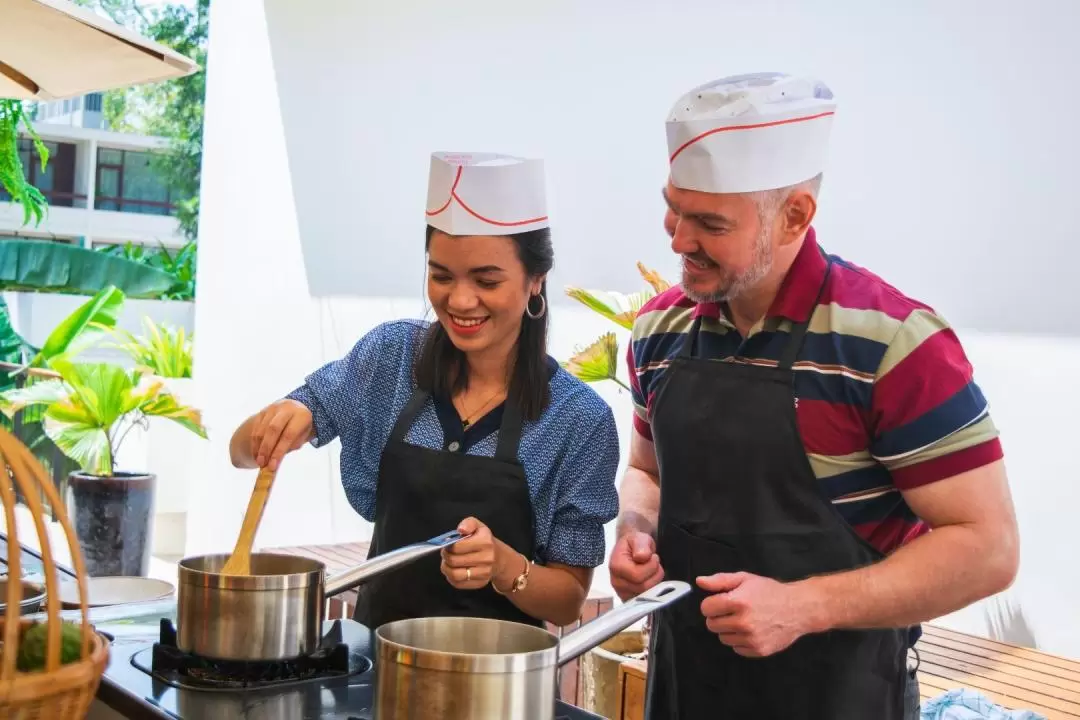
326 405
554 592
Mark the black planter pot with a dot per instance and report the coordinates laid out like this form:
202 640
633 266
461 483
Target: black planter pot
112 518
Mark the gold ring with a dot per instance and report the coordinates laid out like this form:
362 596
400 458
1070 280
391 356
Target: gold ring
468 574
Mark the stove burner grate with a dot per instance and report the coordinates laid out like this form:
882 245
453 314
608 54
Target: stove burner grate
331 659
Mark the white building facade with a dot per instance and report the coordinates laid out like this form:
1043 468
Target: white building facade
101 185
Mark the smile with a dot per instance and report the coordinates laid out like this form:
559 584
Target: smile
467 323
700 264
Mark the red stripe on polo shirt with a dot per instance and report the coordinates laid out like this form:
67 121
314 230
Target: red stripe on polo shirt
643 428
829 428
672 297
946 466
858 289
928 376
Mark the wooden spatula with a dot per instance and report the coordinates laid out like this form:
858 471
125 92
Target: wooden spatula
239 562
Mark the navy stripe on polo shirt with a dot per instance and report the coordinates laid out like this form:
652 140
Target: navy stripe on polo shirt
886 398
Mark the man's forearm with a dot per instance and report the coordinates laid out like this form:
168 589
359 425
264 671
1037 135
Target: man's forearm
639 503
936 574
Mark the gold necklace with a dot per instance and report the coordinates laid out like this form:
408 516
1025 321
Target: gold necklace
467 420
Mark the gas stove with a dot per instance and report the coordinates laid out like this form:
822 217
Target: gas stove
149 677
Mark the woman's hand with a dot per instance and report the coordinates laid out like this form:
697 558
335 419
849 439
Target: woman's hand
470 564
280 428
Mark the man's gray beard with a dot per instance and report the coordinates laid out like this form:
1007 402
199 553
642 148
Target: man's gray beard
756 273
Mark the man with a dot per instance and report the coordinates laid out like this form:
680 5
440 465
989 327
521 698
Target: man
810 450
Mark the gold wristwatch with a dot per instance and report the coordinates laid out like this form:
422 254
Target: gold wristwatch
520 582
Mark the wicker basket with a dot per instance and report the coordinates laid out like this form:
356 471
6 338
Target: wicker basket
56 692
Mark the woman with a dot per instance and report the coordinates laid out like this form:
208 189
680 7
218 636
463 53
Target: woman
466 422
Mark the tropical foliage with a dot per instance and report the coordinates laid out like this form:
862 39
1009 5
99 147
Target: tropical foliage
599 360
86 409
90 408
42 266
179 264
162 351
12 174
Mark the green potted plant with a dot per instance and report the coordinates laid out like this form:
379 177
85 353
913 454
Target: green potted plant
88 409
600 360
165 446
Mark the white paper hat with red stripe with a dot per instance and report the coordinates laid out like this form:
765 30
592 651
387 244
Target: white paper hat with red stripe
747 133
486 194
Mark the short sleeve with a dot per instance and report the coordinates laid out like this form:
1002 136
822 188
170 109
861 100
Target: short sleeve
334 393
338 392
929 420
586 495
637 397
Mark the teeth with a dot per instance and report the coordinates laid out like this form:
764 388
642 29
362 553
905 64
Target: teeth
696 263
467 322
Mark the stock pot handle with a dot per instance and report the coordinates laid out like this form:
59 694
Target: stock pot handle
619 618
351 577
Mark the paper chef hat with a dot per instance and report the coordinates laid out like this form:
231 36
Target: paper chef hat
485 194
747 133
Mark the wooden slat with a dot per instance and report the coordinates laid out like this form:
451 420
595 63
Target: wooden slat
1020 666
1001 674
1002 647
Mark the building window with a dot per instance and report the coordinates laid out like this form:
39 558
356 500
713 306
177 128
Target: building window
57 181
93 102
127 182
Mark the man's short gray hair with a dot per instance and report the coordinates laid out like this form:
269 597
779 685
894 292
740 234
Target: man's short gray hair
769 201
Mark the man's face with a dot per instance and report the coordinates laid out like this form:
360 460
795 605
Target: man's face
725 247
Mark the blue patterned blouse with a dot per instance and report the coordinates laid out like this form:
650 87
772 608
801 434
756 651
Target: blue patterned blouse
570 455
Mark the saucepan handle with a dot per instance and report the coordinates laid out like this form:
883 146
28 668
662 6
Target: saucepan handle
619 618
347 579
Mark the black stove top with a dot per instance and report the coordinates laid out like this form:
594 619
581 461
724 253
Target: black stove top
332 659
149 677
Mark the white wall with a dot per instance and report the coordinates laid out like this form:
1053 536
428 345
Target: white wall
950 167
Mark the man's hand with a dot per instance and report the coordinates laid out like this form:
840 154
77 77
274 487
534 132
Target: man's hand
755 616
634 566
280 428
469 564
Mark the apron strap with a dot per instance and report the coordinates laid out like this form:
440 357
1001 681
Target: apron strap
689 344
509 433
405 419
798 330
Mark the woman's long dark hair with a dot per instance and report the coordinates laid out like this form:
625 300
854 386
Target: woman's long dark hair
441 368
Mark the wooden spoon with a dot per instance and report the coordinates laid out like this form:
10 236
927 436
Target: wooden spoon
239 562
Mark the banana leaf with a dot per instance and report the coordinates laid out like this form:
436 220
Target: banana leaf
37 265
84 327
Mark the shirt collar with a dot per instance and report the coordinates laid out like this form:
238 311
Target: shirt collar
799 291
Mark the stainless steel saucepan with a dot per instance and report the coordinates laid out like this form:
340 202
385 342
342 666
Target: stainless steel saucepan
276 612
483 669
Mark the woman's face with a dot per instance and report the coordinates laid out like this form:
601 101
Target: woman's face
479 290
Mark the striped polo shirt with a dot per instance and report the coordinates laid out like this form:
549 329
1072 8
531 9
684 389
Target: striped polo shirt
885 396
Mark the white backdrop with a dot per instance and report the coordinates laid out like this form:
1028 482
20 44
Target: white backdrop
950 175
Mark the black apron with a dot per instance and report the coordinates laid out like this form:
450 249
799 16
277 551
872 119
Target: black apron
423 493
738 494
